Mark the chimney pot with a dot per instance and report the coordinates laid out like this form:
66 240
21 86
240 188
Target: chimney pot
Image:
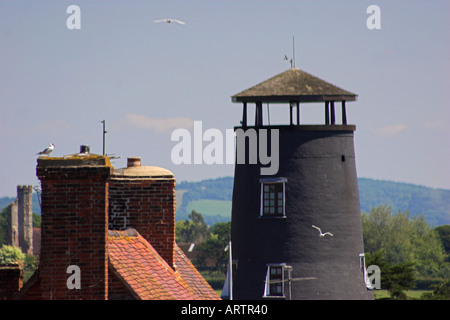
85 149
134 162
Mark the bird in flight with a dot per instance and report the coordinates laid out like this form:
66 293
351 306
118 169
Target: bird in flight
169 21
322 234
47 150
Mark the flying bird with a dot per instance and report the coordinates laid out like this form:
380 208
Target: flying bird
169 21
322 234
47 150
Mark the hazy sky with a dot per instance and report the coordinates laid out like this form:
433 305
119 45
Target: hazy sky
147 79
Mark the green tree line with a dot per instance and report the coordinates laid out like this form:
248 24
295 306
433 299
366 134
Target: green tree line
407 250
210 241
404 239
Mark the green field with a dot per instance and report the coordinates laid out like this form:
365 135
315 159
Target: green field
410 294
208 207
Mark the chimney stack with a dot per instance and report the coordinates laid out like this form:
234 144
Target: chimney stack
11 280
143 198
74 226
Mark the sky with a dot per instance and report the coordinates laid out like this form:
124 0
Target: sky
148 79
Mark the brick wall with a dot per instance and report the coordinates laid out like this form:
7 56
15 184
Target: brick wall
74 226
11 280
116 289
145 200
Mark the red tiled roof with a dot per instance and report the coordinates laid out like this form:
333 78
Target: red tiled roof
147 276
189 273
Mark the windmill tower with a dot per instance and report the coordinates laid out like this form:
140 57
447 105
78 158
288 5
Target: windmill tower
277 253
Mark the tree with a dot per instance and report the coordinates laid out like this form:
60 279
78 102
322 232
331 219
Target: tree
194 230
441 292
405 240
36 220
213 249
444 234
10 255
394 277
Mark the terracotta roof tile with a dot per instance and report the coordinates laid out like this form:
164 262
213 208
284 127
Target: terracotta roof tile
147 276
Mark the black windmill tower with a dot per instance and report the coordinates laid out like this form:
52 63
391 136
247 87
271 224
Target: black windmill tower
277 253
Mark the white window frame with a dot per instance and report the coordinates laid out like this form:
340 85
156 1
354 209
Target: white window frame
362 266
268 281
266 181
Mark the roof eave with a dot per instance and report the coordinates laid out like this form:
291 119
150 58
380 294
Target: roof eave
287 98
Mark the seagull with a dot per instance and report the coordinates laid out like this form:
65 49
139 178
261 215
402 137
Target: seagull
47 150
322 234
169 21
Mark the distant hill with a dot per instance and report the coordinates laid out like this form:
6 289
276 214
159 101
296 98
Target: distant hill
434 204
5 201
212 198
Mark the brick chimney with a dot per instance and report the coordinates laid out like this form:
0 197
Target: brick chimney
143 198
11 280
25 218
74 225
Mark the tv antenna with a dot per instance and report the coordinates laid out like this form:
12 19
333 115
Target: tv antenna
293 53
104 134
111 156
292 60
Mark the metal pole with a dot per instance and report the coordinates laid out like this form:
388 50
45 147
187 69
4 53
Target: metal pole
293 52
231 273
244 115
104 132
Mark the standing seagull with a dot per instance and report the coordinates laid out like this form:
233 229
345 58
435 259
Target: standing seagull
169 21
322 234
47 150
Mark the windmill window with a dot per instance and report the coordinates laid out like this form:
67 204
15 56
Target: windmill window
275 279
273 197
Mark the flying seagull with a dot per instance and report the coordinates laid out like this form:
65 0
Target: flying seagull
47 150
322 234
169 21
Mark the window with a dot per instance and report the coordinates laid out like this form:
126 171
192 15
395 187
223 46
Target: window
275 280
272 197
